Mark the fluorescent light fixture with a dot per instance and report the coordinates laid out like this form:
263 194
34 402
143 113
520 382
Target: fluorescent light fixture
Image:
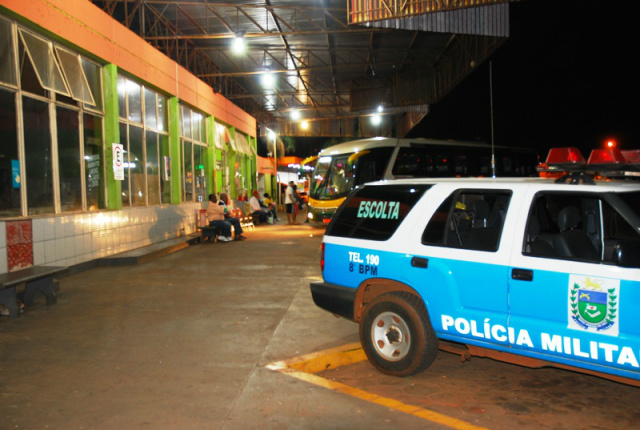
295 115
238 46
268 80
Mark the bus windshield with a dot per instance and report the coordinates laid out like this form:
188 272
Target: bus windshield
336 175
332 178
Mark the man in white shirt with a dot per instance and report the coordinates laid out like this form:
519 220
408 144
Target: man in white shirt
289 202
257 207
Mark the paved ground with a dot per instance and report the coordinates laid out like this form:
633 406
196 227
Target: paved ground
184 341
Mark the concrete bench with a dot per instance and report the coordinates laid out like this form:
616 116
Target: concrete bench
210 232
37 279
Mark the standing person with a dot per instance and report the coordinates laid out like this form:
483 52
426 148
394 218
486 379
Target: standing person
289 202
235 222
215 216
257 207
297 203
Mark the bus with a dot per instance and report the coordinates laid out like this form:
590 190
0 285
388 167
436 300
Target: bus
342 167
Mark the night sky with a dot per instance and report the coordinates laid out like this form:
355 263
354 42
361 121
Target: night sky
564 78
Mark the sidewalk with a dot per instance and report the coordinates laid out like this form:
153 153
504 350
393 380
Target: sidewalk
182 342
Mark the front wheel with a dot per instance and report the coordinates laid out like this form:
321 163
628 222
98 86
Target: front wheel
396 334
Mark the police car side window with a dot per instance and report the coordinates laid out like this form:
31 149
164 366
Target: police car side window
577 226
564 225
375 212
469 219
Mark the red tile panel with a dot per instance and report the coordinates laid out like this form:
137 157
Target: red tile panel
19 245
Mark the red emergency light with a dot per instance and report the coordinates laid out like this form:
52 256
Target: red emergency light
564 156
606 157
604 162
631 156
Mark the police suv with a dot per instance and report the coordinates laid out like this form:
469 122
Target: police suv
533 271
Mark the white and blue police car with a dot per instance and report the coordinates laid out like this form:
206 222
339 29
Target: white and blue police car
533 271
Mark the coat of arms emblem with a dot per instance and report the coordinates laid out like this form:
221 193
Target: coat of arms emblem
593 304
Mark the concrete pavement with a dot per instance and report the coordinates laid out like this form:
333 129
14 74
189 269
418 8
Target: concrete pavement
182 342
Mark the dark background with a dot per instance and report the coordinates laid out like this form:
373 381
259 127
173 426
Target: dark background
566 77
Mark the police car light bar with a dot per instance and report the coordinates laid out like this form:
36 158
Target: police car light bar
563 159
607 162
632 156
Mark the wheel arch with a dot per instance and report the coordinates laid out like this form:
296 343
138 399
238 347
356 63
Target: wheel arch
371 288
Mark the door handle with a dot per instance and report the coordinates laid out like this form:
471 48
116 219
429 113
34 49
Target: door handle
522 274
419 262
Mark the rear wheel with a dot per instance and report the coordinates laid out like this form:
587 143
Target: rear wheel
396 334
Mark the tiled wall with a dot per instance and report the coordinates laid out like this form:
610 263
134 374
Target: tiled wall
66 240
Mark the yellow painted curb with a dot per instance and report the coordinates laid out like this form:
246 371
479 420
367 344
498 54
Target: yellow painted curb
306 368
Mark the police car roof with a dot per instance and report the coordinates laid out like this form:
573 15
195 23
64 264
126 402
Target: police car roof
542 183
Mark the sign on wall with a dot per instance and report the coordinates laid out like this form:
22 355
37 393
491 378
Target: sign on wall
118 162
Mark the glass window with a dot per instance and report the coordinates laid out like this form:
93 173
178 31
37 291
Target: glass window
94 80
37 143
153 168
145 170
162 113
126 189
134 102
200 178
7 54
186 122
375 212
196 122
69 166
165 159
150 109
469 219
187 169
10 176
75 76
122 96
28 78
578 226
93 162
43 61
203 128
136 166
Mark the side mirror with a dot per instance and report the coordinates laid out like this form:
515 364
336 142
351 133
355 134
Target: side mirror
627 253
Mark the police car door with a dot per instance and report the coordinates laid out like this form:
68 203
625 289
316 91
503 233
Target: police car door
569 301
463 269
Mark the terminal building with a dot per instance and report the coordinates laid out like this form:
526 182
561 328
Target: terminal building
119 118
106 144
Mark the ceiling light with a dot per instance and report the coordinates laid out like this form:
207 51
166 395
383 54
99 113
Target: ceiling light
238 46
376 119
295 115
304 125
268 80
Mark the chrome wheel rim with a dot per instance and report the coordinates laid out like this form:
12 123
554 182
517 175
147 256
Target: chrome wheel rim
391 337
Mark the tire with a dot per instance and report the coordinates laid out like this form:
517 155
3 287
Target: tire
397 336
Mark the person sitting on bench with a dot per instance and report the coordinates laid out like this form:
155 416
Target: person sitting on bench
215 216
235 222
258 209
